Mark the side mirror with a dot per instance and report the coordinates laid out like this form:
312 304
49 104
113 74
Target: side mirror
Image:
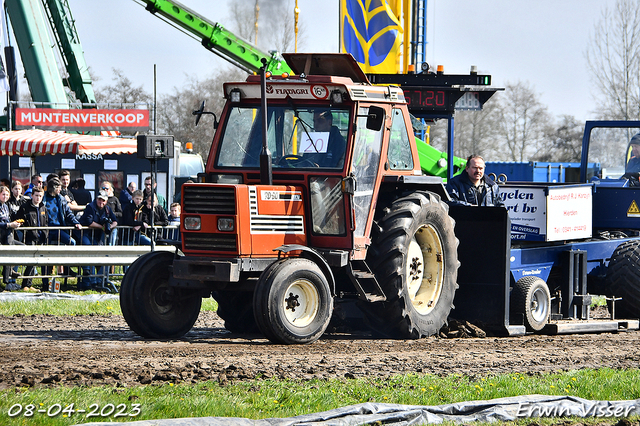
375 118
198 113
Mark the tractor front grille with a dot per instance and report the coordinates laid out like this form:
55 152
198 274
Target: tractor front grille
208 242
203 199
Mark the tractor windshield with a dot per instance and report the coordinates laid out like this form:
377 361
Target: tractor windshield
298 137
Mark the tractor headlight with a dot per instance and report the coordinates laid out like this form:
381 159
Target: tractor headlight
225 224
192 223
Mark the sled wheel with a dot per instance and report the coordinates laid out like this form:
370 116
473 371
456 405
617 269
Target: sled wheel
623 279
415 260
530 297
236 309
156 310
292 302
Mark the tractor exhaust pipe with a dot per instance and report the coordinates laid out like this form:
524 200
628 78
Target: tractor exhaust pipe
266 171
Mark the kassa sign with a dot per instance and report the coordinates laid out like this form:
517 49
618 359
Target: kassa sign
82 119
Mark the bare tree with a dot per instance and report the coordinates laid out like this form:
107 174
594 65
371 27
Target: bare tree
122 91
477 131
563 141
275 24
522 122
175 110
613 57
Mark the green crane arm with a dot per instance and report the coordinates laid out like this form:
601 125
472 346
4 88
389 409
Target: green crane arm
216 38
40 66
434 162
68 41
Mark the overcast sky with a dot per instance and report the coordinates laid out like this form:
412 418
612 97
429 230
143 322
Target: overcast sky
541 42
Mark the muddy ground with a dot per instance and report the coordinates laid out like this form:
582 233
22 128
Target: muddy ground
43 350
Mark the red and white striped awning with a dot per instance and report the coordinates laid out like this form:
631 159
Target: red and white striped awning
42 142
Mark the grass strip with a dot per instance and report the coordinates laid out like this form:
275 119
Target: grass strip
286 398
63 307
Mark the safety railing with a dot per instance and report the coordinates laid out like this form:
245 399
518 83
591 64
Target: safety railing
63 258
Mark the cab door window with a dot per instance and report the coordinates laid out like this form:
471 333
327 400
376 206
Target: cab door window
366 157
399 152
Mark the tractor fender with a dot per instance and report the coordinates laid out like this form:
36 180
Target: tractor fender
313 255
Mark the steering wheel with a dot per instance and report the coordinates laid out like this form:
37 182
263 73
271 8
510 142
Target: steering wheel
294 161
633 177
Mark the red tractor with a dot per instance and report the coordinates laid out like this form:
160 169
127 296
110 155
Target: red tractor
317 205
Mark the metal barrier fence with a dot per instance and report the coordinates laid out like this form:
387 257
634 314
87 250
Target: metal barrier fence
99 260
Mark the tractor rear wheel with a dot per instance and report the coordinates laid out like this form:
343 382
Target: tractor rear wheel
292 302
236 309
414 258
531 298
623 279
154 309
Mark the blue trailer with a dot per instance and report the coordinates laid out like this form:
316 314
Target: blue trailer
537 171
535 266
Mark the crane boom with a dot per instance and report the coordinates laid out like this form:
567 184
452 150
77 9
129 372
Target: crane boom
62 22
216 38
41 68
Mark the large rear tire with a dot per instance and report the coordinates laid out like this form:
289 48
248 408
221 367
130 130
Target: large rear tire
292 302
531 298
414 257
623 279
154 309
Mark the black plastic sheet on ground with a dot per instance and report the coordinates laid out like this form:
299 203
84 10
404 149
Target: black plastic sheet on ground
494 410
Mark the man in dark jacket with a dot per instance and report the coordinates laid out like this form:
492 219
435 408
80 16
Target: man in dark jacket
160 217
34 214
80 194
126 195
115 206
132 216
100 220
472 187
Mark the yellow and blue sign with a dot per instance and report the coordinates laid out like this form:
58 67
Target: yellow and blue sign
371 32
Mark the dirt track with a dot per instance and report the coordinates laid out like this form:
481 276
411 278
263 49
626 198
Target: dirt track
91 350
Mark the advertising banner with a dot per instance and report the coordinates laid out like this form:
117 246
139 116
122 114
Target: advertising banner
548 213
83 119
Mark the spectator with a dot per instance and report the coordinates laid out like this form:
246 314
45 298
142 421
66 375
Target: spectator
100 220
34 214
115 206
36 180
81 195
65 178
50 176
126 194
174 214
132 216
174 220
6 237
147 191
58 214
17 199
159 215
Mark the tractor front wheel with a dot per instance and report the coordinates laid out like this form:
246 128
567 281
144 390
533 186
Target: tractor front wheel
150 306
292 302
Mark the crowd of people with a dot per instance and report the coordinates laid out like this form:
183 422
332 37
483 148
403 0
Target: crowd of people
59 203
